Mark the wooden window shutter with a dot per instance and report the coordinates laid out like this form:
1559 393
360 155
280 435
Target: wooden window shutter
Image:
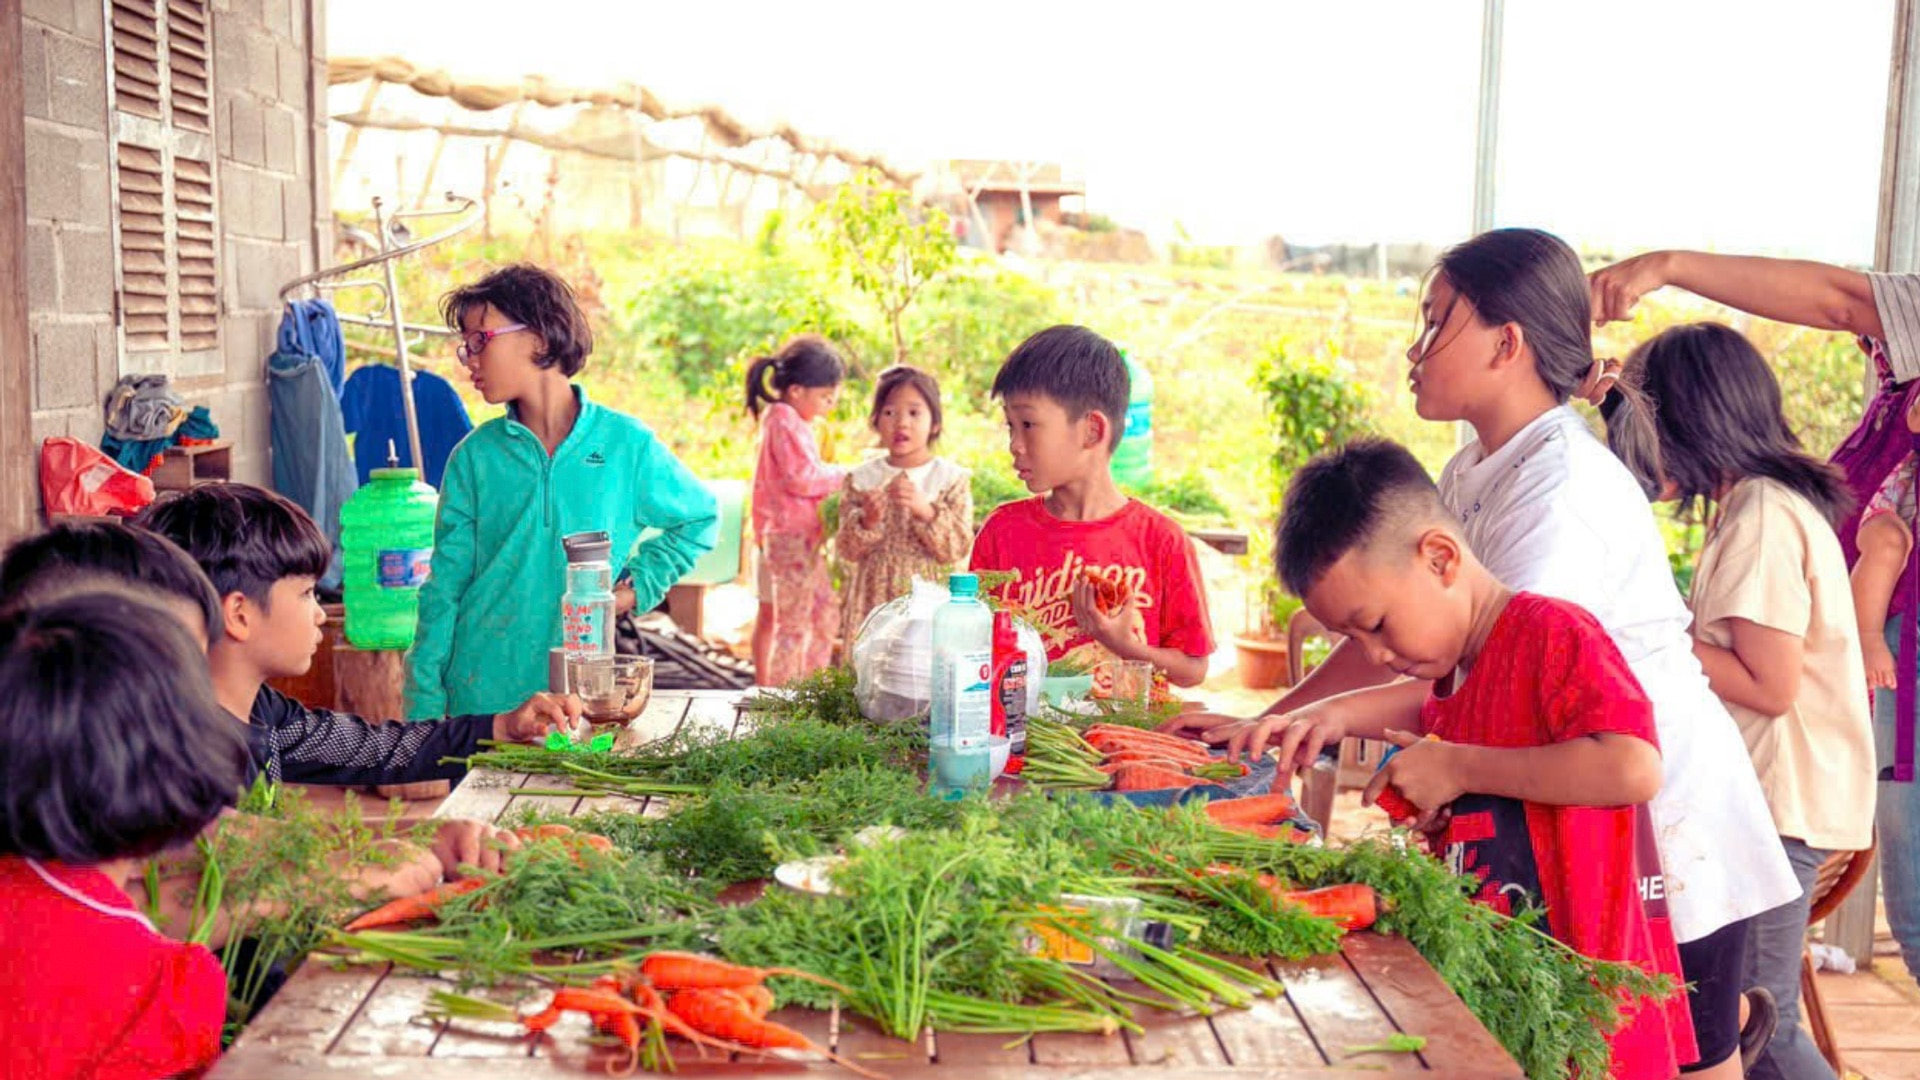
163 123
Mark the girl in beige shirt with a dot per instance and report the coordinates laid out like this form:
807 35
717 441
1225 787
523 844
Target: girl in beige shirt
1774 623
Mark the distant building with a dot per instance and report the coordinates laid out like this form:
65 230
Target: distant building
1001 196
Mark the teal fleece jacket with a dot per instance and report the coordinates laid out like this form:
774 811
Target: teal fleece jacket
490 609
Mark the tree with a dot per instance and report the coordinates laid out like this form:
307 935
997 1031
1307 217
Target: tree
888 248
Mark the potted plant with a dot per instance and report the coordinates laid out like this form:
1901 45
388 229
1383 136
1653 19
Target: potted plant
1261 649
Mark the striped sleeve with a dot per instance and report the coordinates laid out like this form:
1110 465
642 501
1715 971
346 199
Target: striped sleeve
1897 298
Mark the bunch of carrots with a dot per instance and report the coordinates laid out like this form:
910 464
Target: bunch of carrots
1351 906
706 1001
1118 758
426 905
1270 817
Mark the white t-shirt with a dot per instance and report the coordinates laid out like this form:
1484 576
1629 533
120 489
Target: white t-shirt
1554 512
932 477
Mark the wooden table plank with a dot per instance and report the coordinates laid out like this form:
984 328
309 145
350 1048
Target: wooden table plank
483 795
1267 1034
389 1024
1411 992
1334 1004
860 1040
1173 1038
954 1049
308 1014
660 719
1054 1049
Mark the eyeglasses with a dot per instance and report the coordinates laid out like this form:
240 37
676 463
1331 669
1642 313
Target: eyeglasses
472 345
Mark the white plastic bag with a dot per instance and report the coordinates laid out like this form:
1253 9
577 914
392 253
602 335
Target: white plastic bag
893 656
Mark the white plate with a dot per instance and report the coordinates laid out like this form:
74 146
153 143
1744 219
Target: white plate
813 875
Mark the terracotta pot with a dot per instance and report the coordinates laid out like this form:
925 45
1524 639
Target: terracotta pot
1261 662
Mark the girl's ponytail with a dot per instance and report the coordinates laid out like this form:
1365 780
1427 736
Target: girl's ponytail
759 394
1633 434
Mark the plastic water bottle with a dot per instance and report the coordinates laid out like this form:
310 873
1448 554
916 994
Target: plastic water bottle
1133 458
386 552
962 717
586 608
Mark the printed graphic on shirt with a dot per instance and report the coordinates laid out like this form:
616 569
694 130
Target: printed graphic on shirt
1044 594
1488 840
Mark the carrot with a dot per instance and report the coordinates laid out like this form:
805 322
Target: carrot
650 999
543 1019
593 1002
409 908
1113 744
724 1016
691 971
1352 906
597 842
624 1027
1110 767
1108 596
1159 753
1150 778
1253 809
1139 735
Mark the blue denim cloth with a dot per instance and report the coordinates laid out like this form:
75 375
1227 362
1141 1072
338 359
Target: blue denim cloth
310 462
311 328
1897 817
1775 941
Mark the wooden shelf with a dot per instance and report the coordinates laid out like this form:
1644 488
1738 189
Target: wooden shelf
186 467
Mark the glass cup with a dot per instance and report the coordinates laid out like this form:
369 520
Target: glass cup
613 688
1129 682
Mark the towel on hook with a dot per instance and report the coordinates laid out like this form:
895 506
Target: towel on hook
310 461
374 415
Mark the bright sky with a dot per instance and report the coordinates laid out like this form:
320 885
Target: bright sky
1732 124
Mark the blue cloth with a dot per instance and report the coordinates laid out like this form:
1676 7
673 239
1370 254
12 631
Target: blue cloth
311 328
1258 781
370 405
310 462
135 456
1897 817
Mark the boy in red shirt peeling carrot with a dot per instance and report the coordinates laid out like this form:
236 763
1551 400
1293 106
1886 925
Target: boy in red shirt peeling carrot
1064 391
1545 750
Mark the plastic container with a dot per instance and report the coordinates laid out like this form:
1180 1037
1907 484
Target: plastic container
386 552
1112 921
586 608
962 706
1133 458
1009 687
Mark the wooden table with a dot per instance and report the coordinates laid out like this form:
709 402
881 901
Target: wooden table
366 1021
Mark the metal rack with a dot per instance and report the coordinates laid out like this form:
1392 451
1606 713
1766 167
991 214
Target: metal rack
392 240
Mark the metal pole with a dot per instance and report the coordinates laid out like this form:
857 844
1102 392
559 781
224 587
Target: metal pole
1897 241
1487 135
401 352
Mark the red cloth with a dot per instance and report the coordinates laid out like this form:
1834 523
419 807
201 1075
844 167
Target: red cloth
94 991
1547 674
790 481
1139 548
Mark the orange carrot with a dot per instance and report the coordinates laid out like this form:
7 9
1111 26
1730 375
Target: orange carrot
1137 777
543 1019
1111 766
597 842
724 1016
409 908
1253 809
1136 753
583 1000
1352 906
691 971
1136 735
650 999
757 999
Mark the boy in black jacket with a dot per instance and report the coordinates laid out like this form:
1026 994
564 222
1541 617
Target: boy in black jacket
264 555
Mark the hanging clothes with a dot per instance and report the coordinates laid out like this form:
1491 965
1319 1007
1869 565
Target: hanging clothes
375 417
310 461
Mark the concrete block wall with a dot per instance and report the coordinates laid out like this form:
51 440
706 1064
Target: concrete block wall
269 73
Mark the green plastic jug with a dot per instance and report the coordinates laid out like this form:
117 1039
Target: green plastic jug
386 551
1133 458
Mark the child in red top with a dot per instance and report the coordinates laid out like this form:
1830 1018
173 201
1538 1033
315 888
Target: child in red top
1065 392
105 763
1543 747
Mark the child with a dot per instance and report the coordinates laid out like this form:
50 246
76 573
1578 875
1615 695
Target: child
908 514
318 744
263 555
1064 391
1545 741
1507 341
1773 624
554 465
1883 312
796 386
106 764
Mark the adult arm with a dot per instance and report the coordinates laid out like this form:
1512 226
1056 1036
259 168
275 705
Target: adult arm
1785 290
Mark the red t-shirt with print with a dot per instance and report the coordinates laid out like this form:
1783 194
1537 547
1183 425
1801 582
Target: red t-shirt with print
1138 548
91 988
1547 674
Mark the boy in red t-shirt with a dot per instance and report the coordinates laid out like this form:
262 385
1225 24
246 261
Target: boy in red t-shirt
104 764
1542 749
1064 391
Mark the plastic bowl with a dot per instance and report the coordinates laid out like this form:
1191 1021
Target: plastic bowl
1058 688
999 749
